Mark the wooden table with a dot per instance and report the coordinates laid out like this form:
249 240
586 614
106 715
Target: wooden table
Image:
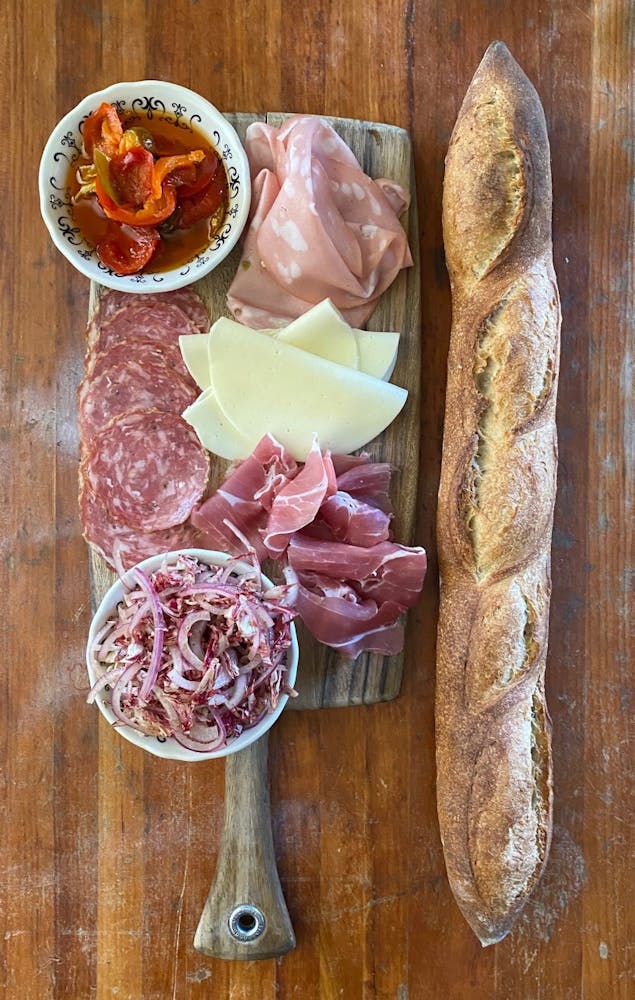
107 853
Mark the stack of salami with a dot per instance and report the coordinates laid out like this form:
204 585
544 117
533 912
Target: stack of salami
142 467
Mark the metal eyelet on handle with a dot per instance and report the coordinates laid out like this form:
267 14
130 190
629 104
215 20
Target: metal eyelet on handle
246 922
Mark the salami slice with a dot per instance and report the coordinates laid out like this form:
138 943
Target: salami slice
115 302
142 352
128 386
119 545
185 298
142 321
148 468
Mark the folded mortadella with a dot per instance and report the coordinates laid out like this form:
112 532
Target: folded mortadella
320 228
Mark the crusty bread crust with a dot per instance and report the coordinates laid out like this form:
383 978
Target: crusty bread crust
496 499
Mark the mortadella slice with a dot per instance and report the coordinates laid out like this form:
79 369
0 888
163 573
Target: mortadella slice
321 228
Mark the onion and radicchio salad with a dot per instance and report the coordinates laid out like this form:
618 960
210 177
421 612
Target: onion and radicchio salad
194 652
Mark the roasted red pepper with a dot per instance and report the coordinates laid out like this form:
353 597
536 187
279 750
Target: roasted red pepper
102 129
161 201
206 202
131 175
151 213
204 173
167 165
137 189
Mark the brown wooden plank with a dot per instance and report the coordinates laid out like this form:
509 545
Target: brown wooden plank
606 613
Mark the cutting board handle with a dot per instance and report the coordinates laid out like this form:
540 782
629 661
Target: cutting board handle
245 916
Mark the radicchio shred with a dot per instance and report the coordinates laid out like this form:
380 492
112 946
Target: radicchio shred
196 653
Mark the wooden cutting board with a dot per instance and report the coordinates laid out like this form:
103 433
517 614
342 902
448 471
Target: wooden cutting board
325 679
246 880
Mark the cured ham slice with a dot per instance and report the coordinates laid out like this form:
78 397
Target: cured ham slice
229 523
353 521
321 228
337 616
368 481
387 571
244 500
297 503
278 465
148 468
352 583
342 463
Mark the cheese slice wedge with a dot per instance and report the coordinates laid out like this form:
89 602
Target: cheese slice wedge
262 384
322 332
194 351
214 429
377 352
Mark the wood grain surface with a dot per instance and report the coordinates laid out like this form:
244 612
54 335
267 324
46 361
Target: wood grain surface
107 854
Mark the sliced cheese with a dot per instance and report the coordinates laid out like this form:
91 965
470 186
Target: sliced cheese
215 430
262 384
377 352
194 350
322 332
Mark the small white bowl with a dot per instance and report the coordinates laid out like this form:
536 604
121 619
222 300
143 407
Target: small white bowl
184 108
169 748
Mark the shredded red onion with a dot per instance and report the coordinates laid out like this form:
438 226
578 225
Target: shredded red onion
194 652
159 632
184 636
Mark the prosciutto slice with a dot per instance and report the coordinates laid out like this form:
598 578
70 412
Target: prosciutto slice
298 502
320 228
337 616
342 463
351 583
244 500
386 572
369 482
353 521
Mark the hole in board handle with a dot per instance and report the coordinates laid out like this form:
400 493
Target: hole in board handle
246 923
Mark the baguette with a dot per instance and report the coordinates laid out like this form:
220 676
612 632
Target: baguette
496 500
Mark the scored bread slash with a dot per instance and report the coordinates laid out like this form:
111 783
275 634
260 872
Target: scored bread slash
129 385
496 500
149 469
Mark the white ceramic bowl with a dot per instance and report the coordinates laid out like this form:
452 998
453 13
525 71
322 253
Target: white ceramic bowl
169 748
184 108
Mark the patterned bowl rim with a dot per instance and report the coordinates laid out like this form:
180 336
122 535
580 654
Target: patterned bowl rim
62 146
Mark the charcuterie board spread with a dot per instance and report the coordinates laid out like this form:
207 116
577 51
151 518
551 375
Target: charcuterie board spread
325 677
257 432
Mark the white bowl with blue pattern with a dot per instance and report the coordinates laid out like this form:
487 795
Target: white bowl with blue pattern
187 110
